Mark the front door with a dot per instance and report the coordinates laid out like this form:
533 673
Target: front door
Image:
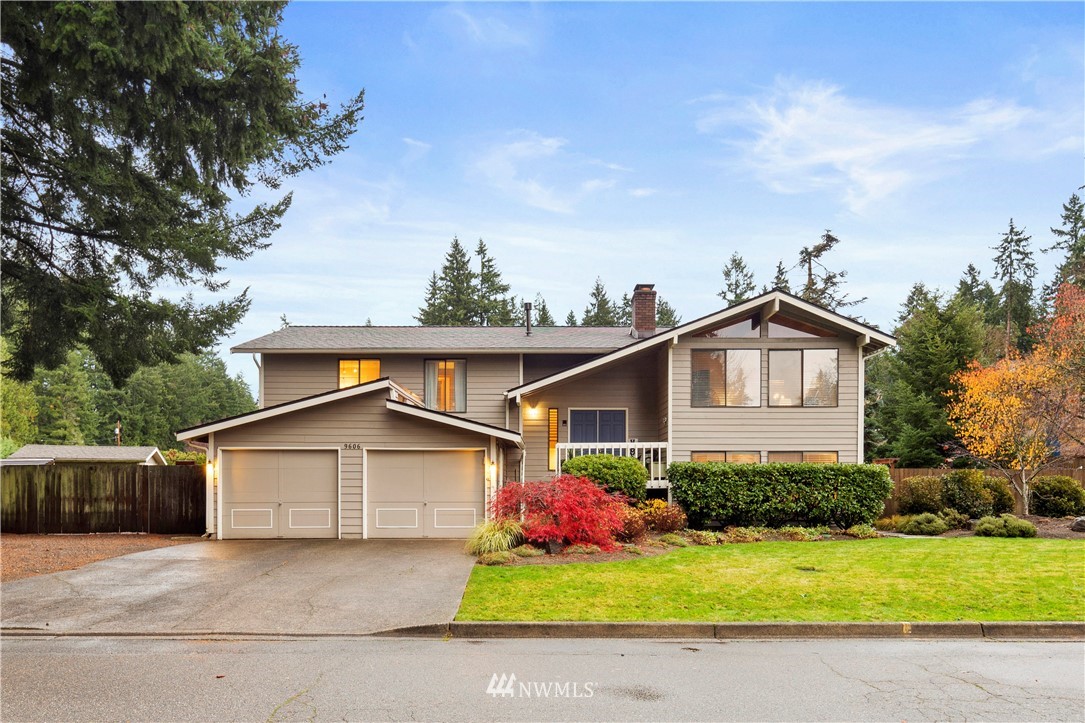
587 426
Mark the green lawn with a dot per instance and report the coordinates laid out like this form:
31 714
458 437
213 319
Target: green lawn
889 579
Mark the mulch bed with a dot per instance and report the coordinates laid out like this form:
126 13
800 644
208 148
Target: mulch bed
29 555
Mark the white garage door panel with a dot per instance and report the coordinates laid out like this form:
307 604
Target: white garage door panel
280 493
424 493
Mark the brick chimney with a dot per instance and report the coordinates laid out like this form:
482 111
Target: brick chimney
644 310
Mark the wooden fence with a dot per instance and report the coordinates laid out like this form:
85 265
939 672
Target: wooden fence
82 498
899 475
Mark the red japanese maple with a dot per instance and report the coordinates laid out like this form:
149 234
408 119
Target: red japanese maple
568 509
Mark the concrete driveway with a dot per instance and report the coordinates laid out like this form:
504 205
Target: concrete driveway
249 586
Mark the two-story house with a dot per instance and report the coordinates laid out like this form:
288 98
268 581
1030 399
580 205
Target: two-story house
369 431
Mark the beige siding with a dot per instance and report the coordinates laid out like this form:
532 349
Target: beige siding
363 421
630 385
537 366
832 429
292 376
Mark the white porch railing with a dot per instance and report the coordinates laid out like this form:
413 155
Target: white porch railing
655 456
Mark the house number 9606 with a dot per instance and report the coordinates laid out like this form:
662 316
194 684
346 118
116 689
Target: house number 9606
352 445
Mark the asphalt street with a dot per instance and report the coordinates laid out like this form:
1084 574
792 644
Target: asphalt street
81 678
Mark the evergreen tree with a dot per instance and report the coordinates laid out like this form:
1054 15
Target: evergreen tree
459 287
822 286
971 289
495 306
625 311
368 321
570 319
1016 269
918 297
1071 241
600 310
779 279
129 128
66 413
738 282
666 315
543 317
431 312
18 407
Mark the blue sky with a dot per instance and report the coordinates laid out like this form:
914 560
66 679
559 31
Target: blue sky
646 142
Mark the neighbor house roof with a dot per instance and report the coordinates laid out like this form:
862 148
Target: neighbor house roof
481 339
89 453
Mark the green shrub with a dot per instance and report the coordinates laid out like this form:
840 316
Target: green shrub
674 540
663 517
632 549
776 494
623 475
701 537
924 524
527 551
862 532
1001 496
634 525
954 520
581 550
494 536
496 558
742 534
1057 496
1005 526
964 490
916 495
892 523
804 534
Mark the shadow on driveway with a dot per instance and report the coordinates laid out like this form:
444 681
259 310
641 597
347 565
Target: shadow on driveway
249 586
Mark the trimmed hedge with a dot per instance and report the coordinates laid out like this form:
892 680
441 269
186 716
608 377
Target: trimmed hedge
916 495
774 494
1057 496
624 475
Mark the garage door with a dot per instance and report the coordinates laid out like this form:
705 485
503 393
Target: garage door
424 494
288 493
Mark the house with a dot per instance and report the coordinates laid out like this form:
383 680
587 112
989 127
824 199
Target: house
37 454
407 431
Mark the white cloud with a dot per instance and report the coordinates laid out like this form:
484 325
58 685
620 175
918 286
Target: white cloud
812 136
486 30
642 192
415 150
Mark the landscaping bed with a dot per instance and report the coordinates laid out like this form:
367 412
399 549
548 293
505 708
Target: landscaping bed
28 555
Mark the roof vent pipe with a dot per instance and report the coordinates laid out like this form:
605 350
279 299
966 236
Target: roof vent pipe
527 316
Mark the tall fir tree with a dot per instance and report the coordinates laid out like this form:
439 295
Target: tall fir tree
432 313
738 282
494 305
570 318
543 317
780 281
918 297
1070 239
600 311
666 315
459 287
1016 269
625 311
823 286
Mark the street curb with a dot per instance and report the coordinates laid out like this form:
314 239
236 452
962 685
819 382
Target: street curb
1035 631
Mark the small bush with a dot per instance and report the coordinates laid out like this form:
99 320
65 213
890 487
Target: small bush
634 525
1001 495
892 523
804 534
916 495
632 549
862 532
663 517
566 509
742 534
496 558
623 475
964 490
1005 526
527 551
1057 496
954 520
701 537
924 524
581 550
674 540
494 536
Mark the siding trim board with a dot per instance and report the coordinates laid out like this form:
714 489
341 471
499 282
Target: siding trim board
445 418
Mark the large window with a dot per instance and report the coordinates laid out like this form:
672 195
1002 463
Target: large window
748 327
733 457
358 371
725 378
809 457
803 378
597 425
446 385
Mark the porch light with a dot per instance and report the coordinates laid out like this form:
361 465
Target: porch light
533 411
491 472
210 468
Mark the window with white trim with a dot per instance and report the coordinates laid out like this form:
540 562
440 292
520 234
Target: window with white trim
446 385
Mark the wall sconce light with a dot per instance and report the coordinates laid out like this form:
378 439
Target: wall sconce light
533 411
210 469
491 472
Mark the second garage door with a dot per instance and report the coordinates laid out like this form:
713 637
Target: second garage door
424 494
280 493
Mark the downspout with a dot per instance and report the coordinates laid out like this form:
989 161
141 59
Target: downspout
260 381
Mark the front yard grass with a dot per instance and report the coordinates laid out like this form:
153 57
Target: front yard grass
889 579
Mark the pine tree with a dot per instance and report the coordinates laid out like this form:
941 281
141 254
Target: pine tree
600 311
918 297
1070 240
822 286
738 282
66 413
666 315
368 321
625 311
543 317
570 319
494 306
18 407
431 313
459 287
1016 269
779 280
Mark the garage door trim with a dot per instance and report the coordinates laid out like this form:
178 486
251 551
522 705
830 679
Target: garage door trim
338 479
365 473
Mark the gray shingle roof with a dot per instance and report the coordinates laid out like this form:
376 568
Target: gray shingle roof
459 338
84 453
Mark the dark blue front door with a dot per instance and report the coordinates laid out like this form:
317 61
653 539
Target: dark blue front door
602 425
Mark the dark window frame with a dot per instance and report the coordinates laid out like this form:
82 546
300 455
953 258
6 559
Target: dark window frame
726 362
425 383
802 379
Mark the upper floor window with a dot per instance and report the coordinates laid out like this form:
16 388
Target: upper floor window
784 327
809 457
446 385
725 378
748 327
803 377
358 371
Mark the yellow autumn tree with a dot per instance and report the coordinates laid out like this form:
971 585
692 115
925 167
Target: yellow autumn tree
1015 415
